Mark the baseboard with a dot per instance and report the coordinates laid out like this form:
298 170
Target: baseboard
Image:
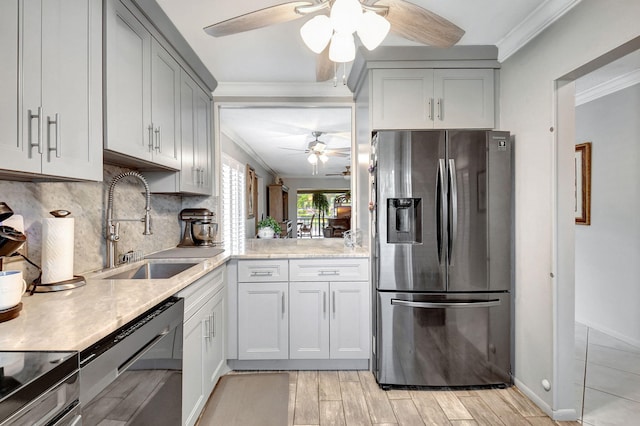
560 415
299 364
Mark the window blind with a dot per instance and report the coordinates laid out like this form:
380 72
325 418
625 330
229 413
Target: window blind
233 203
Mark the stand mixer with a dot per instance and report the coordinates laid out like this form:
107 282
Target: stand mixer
199 228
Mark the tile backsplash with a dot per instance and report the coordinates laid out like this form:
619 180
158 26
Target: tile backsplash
87 202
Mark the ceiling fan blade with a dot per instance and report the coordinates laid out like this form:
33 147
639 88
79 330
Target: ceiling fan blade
324 66
336 154
260 18
294 149
420 25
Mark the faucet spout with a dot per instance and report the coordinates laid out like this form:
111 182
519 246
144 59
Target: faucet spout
113 225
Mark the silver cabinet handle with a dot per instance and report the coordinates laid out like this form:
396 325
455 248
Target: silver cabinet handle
447 305
261 273
453 225
440 102
329 272
324 303
430 107
207 328
30 117
150 145
333 303
158 139
56 122
213 325
283 311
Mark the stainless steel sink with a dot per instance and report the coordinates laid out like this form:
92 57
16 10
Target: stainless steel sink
151 271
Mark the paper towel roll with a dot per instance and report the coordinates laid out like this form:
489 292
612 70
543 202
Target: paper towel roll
57 249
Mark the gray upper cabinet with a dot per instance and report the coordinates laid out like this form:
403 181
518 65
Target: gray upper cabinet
195 113
51 109
142 92
432 98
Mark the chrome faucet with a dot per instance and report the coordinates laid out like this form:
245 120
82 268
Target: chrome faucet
113 225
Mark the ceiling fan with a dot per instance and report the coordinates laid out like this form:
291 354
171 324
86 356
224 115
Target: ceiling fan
345 174
407 20
317 148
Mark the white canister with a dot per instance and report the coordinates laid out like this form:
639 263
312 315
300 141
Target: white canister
12 286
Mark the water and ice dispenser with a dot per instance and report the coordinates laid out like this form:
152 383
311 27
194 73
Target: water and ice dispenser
404 220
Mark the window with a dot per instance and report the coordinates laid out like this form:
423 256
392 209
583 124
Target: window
233 199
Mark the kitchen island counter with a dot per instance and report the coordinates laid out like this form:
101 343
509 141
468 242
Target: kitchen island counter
75 319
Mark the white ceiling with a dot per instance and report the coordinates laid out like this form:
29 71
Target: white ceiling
275 56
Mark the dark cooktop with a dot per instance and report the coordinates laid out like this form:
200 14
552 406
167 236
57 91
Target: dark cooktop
26 375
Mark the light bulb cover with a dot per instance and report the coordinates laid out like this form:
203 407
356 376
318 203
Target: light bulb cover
373 29
312 158
342 48
323 157
317 32
345 16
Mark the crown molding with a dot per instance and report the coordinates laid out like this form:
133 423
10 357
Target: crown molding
242 144
537 21
608 87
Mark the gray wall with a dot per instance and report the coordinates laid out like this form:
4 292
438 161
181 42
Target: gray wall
607 251
544 305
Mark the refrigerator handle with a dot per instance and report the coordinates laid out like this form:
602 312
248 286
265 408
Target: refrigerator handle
440 205
453 208
447 305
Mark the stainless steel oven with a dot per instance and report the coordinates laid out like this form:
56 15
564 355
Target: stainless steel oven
134 375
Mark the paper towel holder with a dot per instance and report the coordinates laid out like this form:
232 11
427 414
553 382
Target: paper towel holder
37 286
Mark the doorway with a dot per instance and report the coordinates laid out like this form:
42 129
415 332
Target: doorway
599 354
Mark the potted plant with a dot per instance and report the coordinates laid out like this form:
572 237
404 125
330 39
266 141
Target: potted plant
268 227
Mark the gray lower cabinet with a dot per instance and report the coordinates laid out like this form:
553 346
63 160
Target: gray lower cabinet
312 309
51 81
204 341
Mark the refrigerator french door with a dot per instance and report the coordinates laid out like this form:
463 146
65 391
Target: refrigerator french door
442 257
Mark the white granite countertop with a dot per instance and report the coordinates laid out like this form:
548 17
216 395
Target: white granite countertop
75 319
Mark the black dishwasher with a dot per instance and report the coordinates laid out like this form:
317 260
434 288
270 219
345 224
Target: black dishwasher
134 375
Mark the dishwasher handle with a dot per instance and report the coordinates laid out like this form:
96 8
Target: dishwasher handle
142 351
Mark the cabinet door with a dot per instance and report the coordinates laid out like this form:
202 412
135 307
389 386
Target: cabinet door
13 148
263 325
72 88
128 80
402 99
195 121
193 381
165 107
350 323
464 98
214 355
203 141
309 320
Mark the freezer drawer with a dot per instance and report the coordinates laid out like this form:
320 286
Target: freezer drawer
443 340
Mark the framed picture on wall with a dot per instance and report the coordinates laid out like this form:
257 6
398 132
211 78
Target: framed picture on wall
582 170
252 182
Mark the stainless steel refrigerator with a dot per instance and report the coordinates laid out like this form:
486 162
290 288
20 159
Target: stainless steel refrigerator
442 257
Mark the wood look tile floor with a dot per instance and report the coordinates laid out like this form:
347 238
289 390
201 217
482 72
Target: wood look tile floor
345 398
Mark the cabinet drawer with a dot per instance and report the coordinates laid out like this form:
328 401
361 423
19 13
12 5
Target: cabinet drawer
329 269
197 294
263 270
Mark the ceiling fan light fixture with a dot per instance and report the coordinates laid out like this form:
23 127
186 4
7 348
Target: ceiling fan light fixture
313 158
345 16
323 157
342 48
316 33
373 29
